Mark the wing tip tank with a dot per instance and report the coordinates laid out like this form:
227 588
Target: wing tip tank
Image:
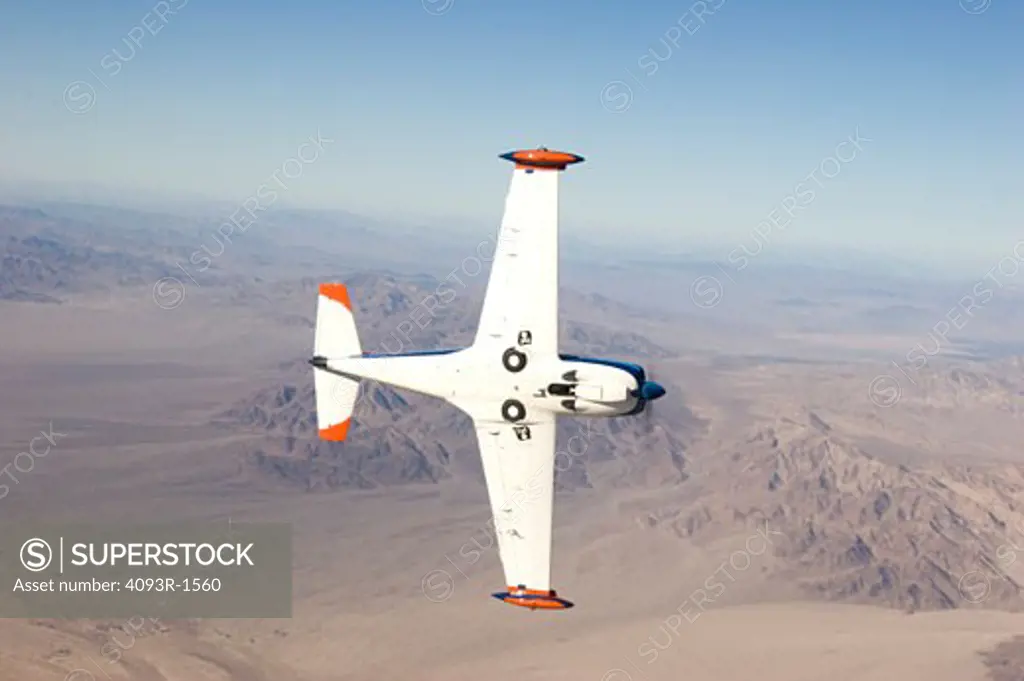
534 599
542 158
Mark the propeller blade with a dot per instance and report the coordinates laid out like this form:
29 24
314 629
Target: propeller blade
649 406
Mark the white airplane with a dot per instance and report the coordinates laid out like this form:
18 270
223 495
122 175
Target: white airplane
512 381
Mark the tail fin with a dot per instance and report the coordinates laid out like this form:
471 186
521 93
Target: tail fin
335 337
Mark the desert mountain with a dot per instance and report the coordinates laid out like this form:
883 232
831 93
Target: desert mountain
46 257
862 529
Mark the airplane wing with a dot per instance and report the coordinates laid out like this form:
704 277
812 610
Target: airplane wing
519 464
521 309
521 303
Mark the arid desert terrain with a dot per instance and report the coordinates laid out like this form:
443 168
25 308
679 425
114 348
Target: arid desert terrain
832 488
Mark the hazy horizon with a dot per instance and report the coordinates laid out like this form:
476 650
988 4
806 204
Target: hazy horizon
763 249
698 126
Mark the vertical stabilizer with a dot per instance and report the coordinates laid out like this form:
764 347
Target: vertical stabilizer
335 337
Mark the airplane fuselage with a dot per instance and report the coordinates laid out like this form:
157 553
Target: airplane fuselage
509 379
513 381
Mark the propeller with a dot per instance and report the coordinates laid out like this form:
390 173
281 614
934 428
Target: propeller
648 417
649 391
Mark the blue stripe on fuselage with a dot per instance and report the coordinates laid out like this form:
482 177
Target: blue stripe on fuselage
412 353
635 370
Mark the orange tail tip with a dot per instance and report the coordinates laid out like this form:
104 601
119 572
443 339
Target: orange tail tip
335 433
533 599
337 292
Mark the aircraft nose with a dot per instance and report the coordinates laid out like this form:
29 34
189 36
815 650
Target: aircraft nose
651 390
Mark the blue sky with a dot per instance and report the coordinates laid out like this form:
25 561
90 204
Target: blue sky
419 100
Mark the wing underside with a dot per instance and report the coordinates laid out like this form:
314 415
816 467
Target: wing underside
521 303
521 310
518 461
